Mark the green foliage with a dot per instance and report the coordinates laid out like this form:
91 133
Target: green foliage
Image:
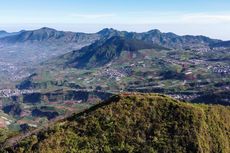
102 52
4 134
137 123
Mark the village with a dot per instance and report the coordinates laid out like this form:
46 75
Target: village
220 69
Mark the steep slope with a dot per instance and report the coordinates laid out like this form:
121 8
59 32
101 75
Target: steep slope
104 51
136 123
221 44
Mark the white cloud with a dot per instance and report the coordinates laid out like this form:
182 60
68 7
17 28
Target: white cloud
93 16
205 18
175 18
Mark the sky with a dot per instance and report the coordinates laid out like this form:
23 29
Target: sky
195 17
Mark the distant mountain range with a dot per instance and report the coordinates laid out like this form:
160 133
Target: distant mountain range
82 50
48 34
5 34
112 43
170 40
36 46
47 42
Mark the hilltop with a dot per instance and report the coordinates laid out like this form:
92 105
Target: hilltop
3 33
136 123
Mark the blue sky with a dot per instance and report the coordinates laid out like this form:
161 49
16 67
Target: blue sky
206 17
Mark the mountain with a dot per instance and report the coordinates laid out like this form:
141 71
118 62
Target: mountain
110 32
134 123
112 42
35 35
48 34
169 40
47 43
5 34
36 46
103 52
221 44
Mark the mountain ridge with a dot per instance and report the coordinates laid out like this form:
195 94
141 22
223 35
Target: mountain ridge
4 33
168 39
154 37
43 34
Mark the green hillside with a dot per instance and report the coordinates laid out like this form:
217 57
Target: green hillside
102 52
137 123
